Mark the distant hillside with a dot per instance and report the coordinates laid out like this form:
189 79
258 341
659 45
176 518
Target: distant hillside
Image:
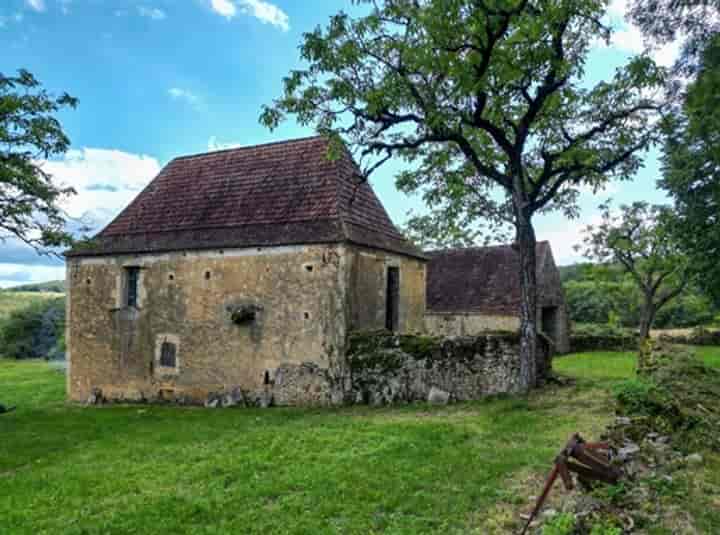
50 286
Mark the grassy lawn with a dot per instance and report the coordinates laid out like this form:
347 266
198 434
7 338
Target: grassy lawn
465 468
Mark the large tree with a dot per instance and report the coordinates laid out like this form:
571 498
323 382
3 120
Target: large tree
30 134
691 168
641 238
486 101
691 156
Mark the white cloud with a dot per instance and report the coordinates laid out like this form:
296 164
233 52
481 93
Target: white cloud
15 274
36 5
224 7
267 13
177 93
153 13
106 181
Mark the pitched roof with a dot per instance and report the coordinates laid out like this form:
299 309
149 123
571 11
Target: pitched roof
482 280
275 194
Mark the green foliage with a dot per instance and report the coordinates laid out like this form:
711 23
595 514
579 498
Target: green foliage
34 331
641 238
29 132
561 524
605 529
691 170
594 293
678 395
639 397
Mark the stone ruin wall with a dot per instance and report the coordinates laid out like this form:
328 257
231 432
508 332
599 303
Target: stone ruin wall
382 368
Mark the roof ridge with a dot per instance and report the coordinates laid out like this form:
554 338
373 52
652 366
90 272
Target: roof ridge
248 147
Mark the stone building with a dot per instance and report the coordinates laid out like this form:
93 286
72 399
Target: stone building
477 289
238 268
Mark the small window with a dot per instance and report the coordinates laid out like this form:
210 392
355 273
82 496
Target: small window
167 355
132 277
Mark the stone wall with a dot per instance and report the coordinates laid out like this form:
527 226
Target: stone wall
367 283
382 368
468 324
387 368
297 300
188 299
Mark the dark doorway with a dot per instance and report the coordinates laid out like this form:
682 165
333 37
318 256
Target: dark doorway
549 322
392 299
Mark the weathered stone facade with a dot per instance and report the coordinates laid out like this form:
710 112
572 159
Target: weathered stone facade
305 299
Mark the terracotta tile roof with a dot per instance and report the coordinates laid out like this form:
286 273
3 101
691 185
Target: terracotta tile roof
484 280
275 194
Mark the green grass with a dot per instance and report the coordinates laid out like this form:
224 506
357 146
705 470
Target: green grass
404 470
11 300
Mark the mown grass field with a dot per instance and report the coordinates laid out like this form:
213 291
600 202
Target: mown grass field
464 468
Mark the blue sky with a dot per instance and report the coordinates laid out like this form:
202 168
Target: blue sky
161 78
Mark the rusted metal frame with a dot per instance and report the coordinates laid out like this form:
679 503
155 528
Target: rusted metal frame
595 467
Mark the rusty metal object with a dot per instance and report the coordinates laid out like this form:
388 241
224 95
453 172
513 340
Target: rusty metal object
593 465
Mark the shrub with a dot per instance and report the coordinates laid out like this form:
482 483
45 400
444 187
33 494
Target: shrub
34 331
562 524
679 396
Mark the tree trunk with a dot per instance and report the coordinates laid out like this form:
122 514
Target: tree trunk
647 318
528 301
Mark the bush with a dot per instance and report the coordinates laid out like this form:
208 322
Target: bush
679 396
34 331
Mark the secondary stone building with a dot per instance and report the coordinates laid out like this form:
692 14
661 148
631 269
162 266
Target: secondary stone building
237 268
477 289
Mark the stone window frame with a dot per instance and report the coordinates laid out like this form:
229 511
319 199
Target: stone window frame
174 339
122 286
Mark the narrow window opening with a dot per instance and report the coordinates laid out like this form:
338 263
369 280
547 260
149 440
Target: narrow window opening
266 378
171 277
309 268
392 300
307 315
132 276
207 275
168 353
88 281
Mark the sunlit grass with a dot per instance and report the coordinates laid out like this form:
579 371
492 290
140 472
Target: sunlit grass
155 469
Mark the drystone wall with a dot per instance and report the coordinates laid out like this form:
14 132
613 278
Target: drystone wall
385 368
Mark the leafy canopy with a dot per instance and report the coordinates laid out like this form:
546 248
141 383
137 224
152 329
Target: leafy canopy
691 170
474 95
29 133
